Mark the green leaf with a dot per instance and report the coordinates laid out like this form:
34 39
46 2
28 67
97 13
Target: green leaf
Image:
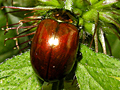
97 71
93 2
17 74
104 4
68 4
81 4
89 27
50 2
90 15
106 17
24 3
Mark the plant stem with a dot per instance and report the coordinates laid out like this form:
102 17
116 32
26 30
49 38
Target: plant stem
102 40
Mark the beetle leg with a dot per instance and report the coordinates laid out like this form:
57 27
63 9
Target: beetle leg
79 54
74 78
55 85
59 85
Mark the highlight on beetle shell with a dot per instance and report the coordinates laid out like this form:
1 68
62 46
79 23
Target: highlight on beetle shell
53 41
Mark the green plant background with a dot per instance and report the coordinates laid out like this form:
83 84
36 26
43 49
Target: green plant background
94 71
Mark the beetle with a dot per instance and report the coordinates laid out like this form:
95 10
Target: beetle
54 45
